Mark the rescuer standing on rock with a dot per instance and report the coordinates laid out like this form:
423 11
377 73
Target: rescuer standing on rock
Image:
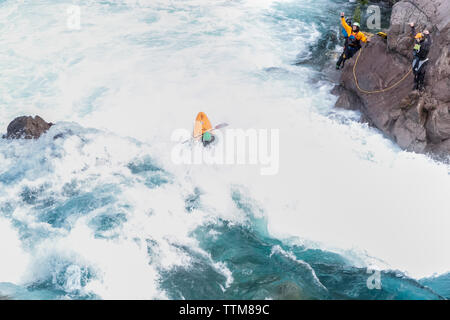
422 44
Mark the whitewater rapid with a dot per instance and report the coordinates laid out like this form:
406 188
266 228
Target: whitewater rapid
138 70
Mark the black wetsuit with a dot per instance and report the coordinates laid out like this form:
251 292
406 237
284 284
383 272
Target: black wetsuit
420 60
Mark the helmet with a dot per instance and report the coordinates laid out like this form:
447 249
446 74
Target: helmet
356 24
207 136
419 36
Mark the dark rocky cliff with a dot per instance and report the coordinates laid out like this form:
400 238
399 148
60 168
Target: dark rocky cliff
417 121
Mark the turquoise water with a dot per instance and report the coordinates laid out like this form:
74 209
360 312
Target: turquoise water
96 208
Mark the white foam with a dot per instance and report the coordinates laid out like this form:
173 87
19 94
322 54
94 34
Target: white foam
14 260
290 255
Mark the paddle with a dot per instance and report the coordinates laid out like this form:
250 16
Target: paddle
219 126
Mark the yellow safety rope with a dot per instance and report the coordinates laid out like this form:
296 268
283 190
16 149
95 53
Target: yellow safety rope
376 91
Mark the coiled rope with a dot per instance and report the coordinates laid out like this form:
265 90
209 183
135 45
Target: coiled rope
375 91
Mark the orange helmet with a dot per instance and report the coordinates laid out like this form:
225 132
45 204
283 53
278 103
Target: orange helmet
419 36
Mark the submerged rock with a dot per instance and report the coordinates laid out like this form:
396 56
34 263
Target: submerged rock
416 121
27 127
290 291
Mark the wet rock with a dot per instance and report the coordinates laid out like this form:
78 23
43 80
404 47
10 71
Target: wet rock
289 291
347 99
418 122
438 124
63 134
27 127
440 149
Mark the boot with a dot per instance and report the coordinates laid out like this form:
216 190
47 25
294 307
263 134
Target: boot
338 64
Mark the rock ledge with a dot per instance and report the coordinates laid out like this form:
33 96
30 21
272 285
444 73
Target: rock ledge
27 127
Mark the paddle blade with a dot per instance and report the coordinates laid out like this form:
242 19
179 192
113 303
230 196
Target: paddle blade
220 126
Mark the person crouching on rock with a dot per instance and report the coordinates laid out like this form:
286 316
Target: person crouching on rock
422 44
353 43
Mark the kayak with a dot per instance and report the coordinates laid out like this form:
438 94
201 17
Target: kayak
202 124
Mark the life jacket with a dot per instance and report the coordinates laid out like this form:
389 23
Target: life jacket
353 42
421 49
417 47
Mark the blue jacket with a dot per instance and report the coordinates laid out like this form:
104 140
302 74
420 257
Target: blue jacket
344 32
